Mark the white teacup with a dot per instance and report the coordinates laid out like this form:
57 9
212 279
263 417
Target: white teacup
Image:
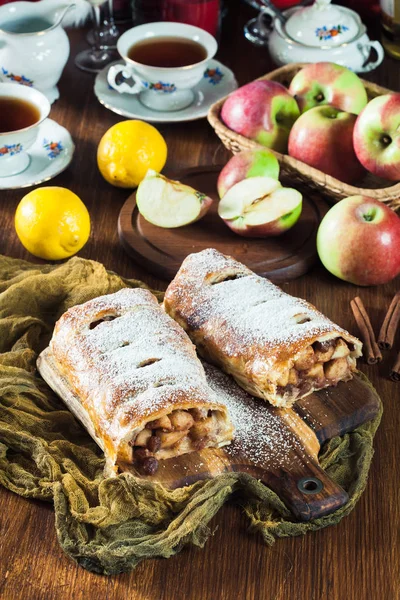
160 88
14 144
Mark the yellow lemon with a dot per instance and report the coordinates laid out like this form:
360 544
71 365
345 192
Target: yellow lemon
127 150
52 223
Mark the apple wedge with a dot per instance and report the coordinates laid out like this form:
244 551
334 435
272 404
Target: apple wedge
167 203
260 207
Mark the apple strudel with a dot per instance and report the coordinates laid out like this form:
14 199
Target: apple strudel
277 347
142 392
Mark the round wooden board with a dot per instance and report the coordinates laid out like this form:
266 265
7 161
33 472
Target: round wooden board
162 251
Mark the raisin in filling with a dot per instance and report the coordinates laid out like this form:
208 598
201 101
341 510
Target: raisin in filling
194 428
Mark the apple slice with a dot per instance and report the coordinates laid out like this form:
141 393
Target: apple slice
168 203
260 207
244 193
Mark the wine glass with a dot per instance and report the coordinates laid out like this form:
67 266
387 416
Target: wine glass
99 55
109 32
257 30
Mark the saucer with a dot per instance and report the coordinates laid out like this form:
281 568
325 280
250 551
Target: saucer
217 82
50 155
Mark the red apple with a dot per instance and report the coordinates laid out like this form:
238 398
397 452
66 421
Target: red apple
377 136
322 137
328 83
263 111
358 240
248 163
260 207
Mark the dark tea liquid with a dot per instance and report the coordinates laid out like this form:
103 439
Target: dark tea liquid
16 113
167 52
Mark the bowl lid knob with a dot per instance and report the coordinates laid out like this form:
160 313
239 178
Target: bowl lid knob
323 24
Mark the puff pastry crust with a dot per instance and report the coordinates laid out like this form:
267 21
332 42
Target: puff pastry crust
277 347
142 391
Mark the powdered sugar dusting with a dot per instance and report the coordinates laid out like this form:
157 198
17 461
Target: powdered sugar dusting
261 437
134 365
249 310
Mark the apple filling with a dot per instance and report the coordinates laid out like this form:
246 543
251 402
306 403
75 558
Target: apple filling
320 365
179 432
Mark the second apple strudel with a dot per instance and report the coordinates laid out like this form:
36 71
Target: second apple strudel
277 347
142 392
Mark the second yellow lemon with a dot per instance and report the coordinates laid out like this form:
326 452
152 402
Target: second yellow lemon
52 223
127 150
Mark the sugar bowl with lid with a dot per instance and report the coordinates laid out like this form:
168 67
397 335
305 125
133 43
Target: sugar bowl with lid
321 32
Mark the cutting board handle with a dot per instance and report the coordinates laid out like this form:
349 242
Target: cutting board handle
308 492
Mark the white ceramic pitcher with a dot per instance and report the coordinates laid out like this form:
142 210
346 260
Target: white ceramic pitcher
33 46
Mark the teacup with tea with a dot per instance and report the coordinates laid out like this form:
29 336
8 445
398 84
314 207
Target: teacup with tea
22 109
163 62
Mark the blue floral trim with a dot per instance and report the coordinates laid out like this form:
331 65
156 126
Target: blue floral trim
17 78
214 76
53 149
10 149
323 33
160 86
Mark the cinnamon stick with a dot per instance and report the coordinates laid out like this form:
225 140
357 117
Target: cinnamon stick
395 374
390 324
372 354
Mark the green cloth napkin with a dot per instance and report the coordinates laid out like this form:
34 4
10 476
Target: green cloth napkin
110 525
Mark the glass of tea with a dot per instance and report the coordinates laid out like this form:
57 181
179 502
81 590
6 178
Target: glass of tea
163 62
22 109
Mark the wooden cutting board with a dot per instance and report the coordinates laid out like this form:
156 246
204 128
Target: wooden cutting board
277 446
162 251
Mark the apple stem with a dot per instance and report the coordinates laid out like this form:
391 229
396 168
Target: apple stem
370 215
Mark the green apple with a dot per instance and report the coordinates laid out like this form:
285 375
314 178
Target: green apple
248 163
328 83
376 137
167 203
323 138
358 240
260 207
263 111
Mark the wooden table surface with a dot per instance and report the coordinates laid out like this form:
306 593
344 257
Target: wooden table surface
359 559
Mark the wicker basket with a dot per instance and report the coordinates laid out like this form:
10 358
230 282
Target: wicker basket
299 173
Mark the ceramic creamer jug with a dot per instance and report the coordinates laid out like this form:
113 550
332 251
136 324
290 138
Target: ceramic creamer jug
33 45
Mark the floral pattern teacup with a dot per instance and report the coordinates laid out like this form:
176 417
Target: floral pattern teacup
160 88
14 158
